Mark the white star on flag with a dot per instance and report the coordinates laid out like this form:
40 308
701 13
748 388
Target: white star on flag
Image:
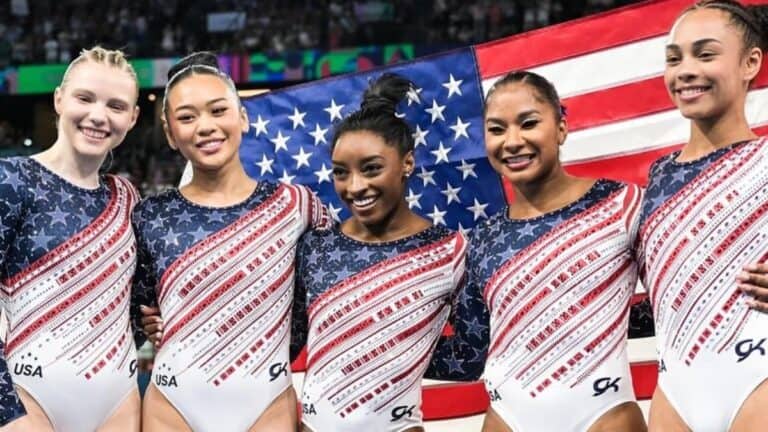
467 169
460 128
334 212
426 176
324 174
438 216
260 125
420 136
451 193
285 178
265 164
301 158
453 86
280 141
297 118
436 111
333 110
478 209
413 199
413 96
441 154
319 134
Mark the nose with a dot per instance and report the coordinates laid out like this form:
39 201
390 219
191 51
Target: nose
687 69
357 184
205 125
97 114
513 140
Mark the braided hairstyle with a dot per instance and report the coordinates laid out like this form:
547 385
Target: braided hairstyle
752 21
544 90
377 113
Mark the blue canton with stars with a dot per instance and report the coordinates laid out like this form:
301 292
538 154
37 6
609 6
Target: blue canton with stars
38 211
666 177
324 258
492 243
453 184
166 226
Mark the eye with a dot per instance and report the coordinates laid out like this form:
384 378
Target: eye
529 123
672 59
706 55
83 98
118 107
339 173
219 110
185 118
372 169
495 130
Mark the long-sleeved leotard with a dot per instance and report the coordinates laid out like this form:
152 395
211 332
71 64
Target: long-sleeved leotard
68 256
545 312
375 312
701 222
223 279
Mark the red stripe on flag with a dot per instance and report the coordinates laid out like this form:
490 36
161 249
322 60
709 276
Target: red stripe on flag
626 102
582 36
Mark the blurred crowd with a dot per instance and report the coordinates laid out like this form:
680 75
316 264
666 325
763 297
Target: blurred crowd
53 31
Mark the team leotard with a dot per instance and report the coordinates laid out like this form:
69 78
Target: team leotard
375 312
69 255
701 222
555 290
223 279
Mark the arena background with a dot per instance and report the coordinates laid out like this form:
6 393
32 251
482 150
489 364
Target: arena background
606 66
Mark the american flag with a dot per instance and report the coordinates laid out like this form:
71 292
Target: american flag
453 184
608 70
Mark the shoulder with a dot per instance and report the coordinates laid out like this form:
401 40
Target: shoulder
152 206
125 184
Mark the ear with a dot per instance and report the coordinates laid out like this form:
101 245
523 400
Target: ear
57 96
409 164
752 62
562 131
244 125
168 136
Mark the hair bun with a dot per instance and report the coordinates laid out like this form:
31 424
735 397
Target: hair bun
200 58
383 95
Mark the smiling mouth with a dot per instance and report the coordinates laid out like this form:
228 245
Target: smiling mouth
210 144
93 133
518 162
691 92
364 203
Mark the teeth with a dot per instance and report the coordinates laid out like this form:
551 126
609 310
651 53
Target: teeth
93 133
209 144
363 202
692 91
518 159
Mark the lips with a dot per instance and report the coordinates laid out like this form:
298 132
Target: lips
690 93
210 146
93 134
518 162
364 203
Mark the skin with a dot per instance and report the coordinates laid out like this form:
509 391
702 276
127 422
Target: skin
706 51
523 136
205 123
99 100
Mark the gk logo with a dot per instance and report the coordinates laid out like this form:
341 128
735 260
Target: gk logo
602 385
746 347
401 411
278 369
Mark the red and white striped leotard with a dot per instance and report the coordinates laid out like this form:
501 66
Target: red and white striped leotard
224 284
69 341
702 222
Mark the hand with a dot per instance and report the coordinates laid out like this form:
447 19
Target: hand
753 280
152 324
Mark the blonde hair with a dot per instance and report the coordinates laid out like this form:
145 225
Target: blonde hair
100 55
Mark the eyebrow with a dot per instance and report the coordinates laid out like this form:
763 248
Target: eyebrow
521 115
93 94
365 160
696 45
210 102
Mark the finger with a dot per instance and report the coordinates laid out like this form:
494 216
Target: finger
756 292
756 267
753 278
149 310
155 338
153 328
758 305
154 319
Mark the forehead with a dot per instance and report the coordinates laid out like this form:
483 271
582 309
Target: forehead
103 80
199 89
515 97
703 23
360 145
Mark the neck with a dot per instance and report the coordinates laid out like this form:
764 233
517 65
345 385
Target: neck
224 186
65 162
556 191
402 222
708 136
